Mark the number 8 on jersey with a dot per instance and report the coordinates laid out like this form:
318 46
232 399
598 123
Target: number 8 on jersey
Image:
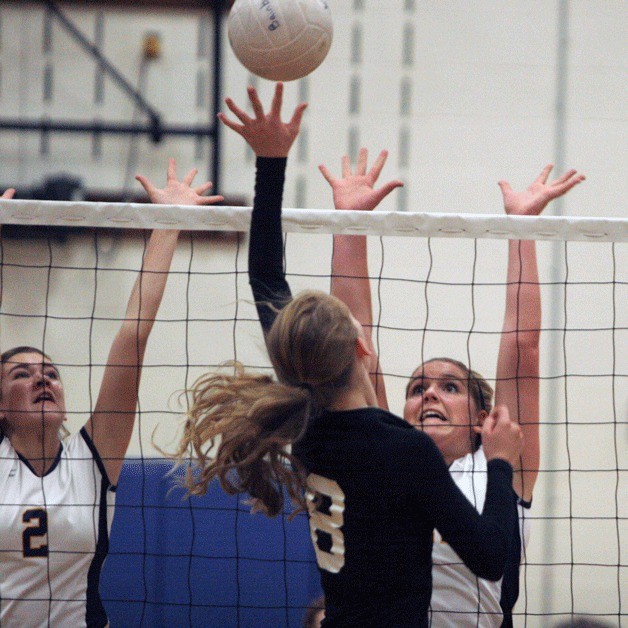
326 505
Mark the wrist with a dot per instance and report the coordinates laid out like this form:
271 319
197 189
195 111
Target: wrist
500 462
271 154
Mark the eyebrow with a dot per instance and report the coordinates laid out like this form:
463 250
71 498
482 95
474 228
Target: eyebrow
445 376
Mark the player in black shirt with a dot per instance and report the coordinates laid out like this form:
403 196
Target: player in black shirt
375 488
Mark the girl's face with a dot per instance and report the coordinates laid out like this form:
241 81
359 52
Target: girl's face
32 394
440 404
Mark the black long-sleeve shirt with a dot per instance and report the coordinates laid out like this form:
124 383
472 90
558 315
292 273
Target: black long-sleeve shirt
382 485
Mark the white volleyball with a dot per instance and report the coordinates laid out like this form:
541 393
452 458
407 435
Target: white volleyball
280 40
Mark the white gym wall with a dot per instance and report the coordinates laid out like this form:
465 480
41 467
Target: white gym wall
462 94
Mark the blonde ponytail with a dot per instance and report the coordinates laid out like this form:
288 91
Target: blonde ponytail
238 429
239 426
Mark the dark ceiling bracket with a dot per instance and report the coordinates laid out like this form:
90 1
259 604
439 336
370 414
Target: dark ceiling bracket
155 128
109 69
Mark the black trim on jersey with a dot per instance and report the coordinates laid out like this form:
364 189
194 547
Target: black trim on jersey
52 467
95 615
101 466
510 582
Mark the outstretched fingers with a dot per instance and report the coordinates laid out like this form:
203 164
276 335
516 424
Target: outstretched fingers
346 167
201 190
240 114
377 166
189 177
275 107
361 165
329 177
178 192
297 116
563 184
8 194
205 187
386 189
542 178
146 184
505 187
171 172
256 103
565 177
363 155
210 200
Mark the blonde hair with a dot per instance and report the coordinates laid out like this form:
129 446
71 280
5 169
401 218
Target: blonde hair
239 425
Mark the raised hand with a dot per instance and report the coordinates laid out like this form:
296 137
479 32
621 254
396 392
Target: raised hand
501 437
8 193
357 190
533 200
266 134
179 192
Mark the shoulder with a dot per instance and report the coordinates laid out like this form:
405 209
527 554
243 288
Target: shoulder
77 442
81 447
470 463
368 421
371 432
6 449
409 443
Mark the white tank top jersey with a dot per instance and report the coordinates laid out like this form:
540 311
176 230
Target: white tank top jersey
457 594
54 537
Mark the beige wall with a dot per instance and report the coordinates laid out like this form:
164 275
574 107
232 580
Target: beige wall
482 98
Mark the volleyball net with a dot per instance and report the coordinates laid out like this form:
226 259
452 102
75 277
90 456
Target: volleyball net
438 284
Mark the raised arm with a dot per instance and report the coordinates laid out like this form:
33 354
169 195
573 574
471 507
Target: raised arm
270 139
111 424
517 381
350 277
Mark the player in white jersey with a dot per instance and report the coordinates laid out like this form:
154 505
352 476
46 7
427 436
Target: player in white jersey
454 587
449 401
57 492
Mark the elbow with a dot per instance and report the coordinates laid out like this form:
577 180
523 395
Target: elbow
134 335
491 561
528 342
490 570
524 341
493 573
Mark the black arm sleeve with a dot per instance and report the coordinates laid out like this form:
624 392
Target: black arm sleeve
266 272
482 541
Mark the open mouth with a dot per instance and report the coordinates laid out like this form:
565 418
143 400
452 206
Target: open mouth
432 415
45 396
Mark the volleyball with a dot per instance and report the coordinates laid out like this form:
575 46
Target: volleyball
280 40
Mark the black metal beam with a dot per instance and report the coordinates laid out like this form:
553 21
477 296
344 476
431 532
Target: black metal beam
218 8
155 127
115 128
109 68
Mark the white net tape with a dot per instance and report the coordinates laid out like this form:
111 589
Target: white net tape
405 224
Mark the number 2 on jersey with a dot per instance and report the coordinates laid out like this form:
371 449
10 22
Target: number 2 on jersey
326 523
35 536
